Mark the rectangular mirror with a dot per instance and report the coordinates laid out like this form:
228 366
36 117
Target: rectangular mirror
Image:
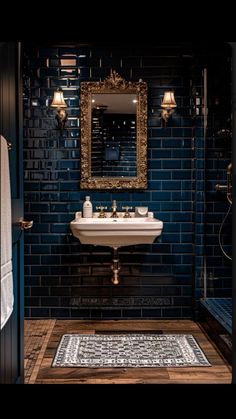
114 134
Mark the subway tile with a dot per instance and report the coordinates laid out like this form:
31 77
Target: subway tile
187 259
186 206
170 206
39 270
171 185
182 196
153 164
187 227
48 280
31 238
40 228
182 248
172 164
187 238
32 260
60 313
39 312
161 196
32 301
185 155
66 218
183 269
172 227
96 314
52 186
50 260
32 281
154 313
80 313
181 174
49 218
40 249
60 228
59 207
182 217
32 186
40 207
60 270
111 314
174 313
171 238
161 154
69 186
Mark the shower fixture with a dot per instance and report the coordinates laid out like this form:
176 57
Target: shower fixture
229 183
228 187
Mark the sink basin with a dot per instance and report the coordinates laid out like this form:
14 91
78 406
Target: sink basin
116 232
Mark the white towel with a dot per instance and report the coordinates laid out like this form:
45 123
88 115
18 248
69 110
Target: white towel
7 298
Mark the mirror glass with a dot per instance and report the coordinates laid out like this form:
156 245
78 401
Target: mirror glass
113 134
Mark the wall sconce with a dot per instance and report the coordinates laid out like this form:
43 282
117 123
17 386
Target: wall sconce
168 105
59 103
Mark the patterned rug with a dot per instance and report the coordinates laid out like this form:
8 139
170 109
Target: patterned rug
129 350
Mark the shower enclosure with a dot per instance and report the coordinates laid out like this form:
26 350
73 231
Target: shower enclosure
214 275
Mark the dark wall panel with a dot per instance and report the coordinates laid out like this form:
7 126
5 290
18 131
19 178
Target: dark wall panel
11 337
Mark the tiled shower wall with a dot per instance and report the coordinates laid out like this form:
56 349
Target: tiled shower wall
218 156
64 278
213 151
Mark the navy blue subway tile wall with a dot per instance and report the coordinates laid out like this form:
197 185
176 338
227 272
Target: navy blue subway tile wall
218 209
66 279
213 218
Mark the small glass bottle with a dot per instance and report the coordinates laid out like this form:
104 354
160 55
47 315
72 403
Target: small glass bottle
87 208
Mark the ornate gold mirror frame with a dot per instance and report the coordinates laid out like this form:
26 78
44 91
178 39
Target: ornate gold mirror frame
112 85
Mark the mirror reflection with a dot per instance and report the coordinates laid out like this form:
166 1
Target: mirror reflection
113 136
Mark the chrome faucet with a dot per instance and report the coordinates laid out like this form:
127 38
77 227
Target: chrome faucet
114 210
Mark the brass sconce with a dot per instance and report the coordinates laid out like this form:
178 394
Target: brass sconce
168 105
59 103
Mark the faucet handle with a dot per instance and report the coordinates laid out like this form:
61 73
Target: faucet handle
101 207
102 213
127 208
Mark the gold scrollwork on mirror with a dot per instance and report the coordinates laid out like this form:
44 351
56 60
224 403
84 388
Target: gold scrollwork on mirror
113 134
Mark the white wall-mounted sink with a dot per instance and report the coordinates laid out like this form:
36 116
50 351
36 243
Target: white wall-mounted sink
116 232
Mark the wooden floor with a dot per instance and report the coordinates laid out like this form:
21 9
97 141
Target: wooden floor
37 334
43 336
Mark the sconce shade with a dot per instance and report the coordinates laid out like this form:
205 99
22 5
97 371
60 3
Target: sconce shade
59 103
168 105
58 100
168 101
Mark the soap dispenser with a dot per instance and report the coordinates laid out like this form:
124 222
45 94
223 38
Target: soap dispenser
87 208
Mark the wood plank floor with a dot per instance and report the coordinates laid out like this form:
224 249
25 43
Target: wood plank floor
43 373
37 334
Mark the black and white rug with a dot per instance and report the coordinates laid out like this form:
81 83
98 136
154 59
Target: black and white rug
129 350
